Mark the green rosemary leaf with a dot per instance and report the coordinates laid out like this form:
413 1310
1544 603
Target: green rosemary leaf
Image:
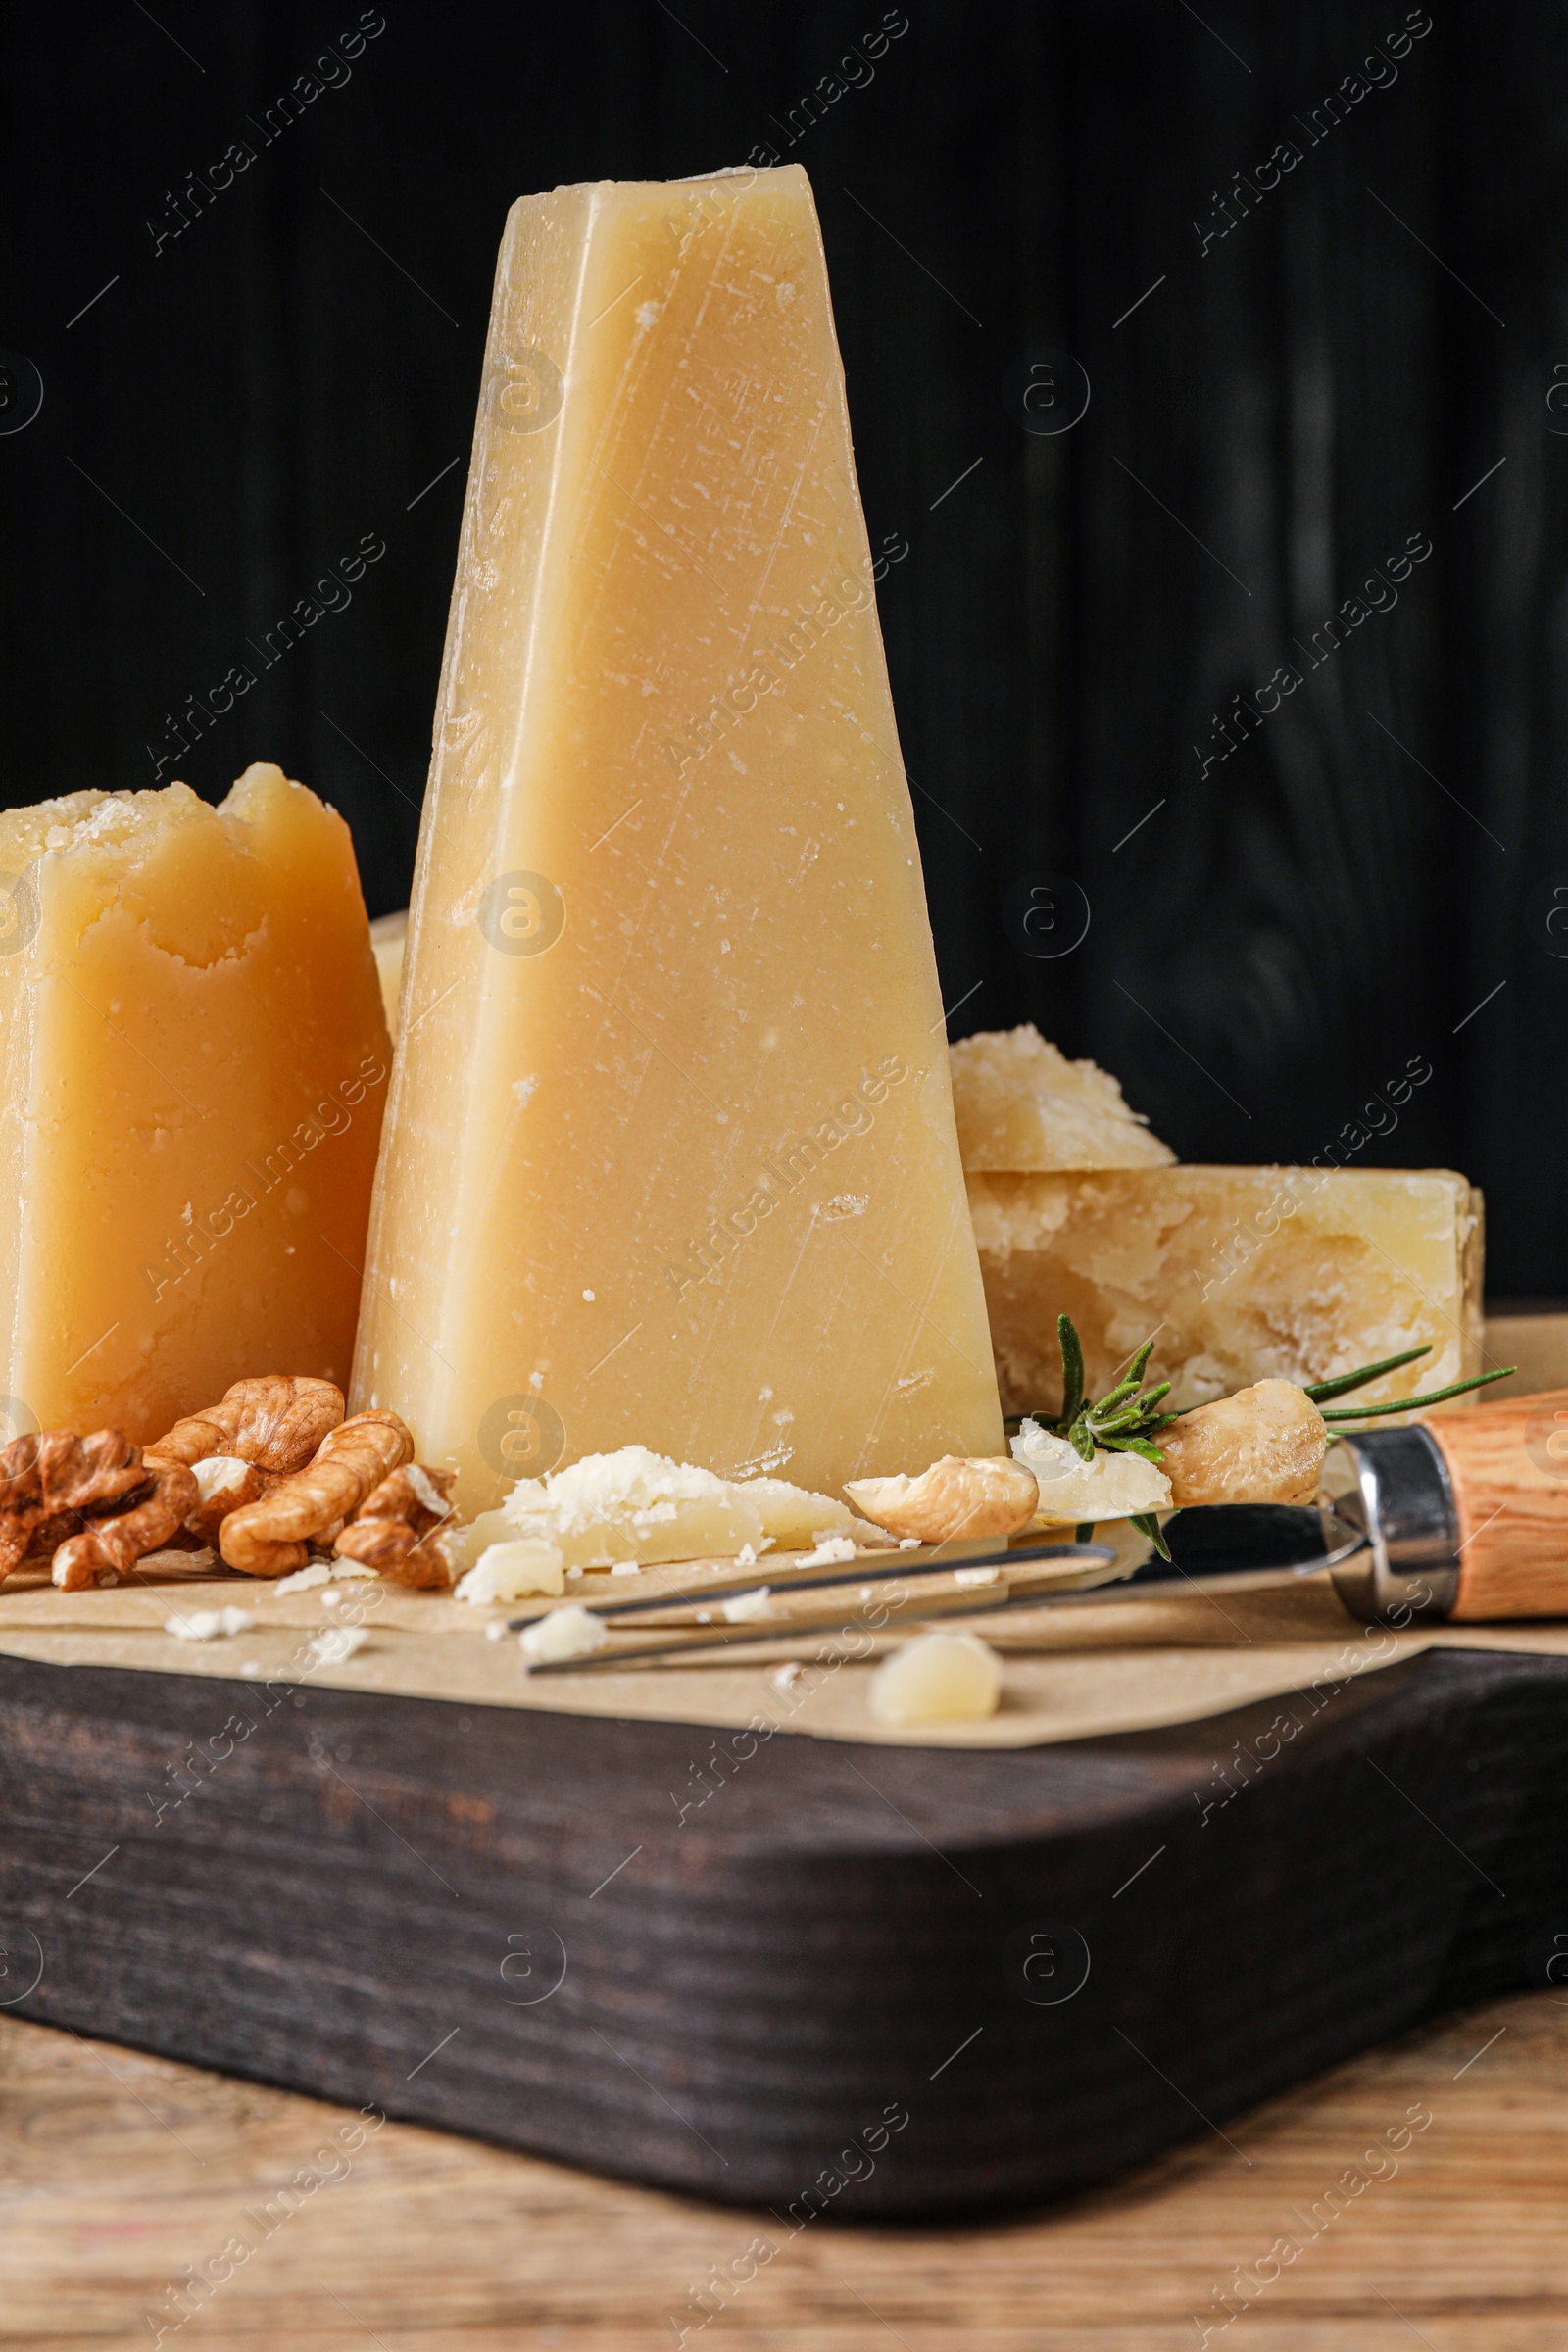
1113 1399
1147 1525
1072 1372
1084 1531
1151 1453
1100 1423
1082 1440
1409 1405
1134 1417
1343 1383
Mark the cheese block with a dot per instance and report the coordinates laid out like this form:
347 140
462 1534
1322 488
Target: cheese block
670 1154
387 934
194 1064
1237 1274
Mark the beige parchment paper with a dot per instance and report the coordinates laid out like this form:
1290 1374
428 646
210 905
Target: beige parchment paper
1068 1673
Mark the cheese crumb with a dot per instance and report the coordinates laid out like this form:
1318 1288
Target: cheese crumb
337 1644
747 1606
939 1677
828 1550
208 1625
512 1571
975 1576
218 1473
782 1677
304 1579
568 1633
628 1568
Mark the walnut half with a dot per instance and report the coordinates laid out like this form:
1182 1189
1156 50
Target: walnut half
224 1482
275 1422
115 1539
273 1536
393 1530
50 1478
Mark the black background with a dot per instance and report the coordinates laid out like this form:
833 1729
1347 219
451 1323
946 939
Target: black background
1373 336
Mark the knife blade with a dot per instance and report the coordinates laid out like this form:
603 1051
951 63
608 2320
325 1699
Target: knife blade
1226 1544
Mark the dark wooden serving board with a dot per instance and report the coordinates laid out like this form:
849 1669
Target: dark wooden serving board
368 1897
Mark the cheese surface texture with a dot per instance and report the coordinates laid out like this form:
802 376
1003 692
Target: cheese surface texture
195 1061
1023 1107
1237 1274
387 934
670 1154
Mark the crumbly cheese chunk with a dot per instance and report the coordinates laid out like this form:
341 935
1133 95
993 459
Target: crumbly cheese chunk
793 1517
1114 1485
1021 1105
512 1571
1239 1274
940 1677
570 1633
612 1510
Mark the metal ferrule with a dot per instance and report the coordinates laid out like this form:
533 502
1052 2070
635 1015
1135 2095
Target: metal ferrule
1393 1485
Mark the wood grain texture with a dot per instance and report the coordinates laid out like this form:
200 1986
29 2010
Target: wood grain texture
493 1920
118 2171
1288 405
1509 1467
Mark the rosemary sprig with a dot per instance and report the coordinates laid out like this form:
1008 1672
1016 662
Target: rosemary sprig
1335 1414
1126 1419
1122 1421
1320 1391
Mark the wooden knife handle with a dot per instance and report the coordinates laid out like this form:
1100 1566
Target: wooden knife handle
1509 1467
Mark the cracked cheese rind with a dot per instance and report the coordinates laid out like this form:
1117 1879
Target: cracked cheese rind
192 1065
670 1152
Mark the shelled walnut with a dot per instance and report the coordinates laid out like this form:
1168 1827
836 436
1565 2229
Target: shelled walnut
115 1539
50 1479
275 1422
393 1530
274 1535
224 1482
261 1430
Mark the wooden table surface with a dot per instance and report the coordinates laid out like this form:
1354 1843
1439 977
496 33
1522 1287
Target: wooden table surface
117 2171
